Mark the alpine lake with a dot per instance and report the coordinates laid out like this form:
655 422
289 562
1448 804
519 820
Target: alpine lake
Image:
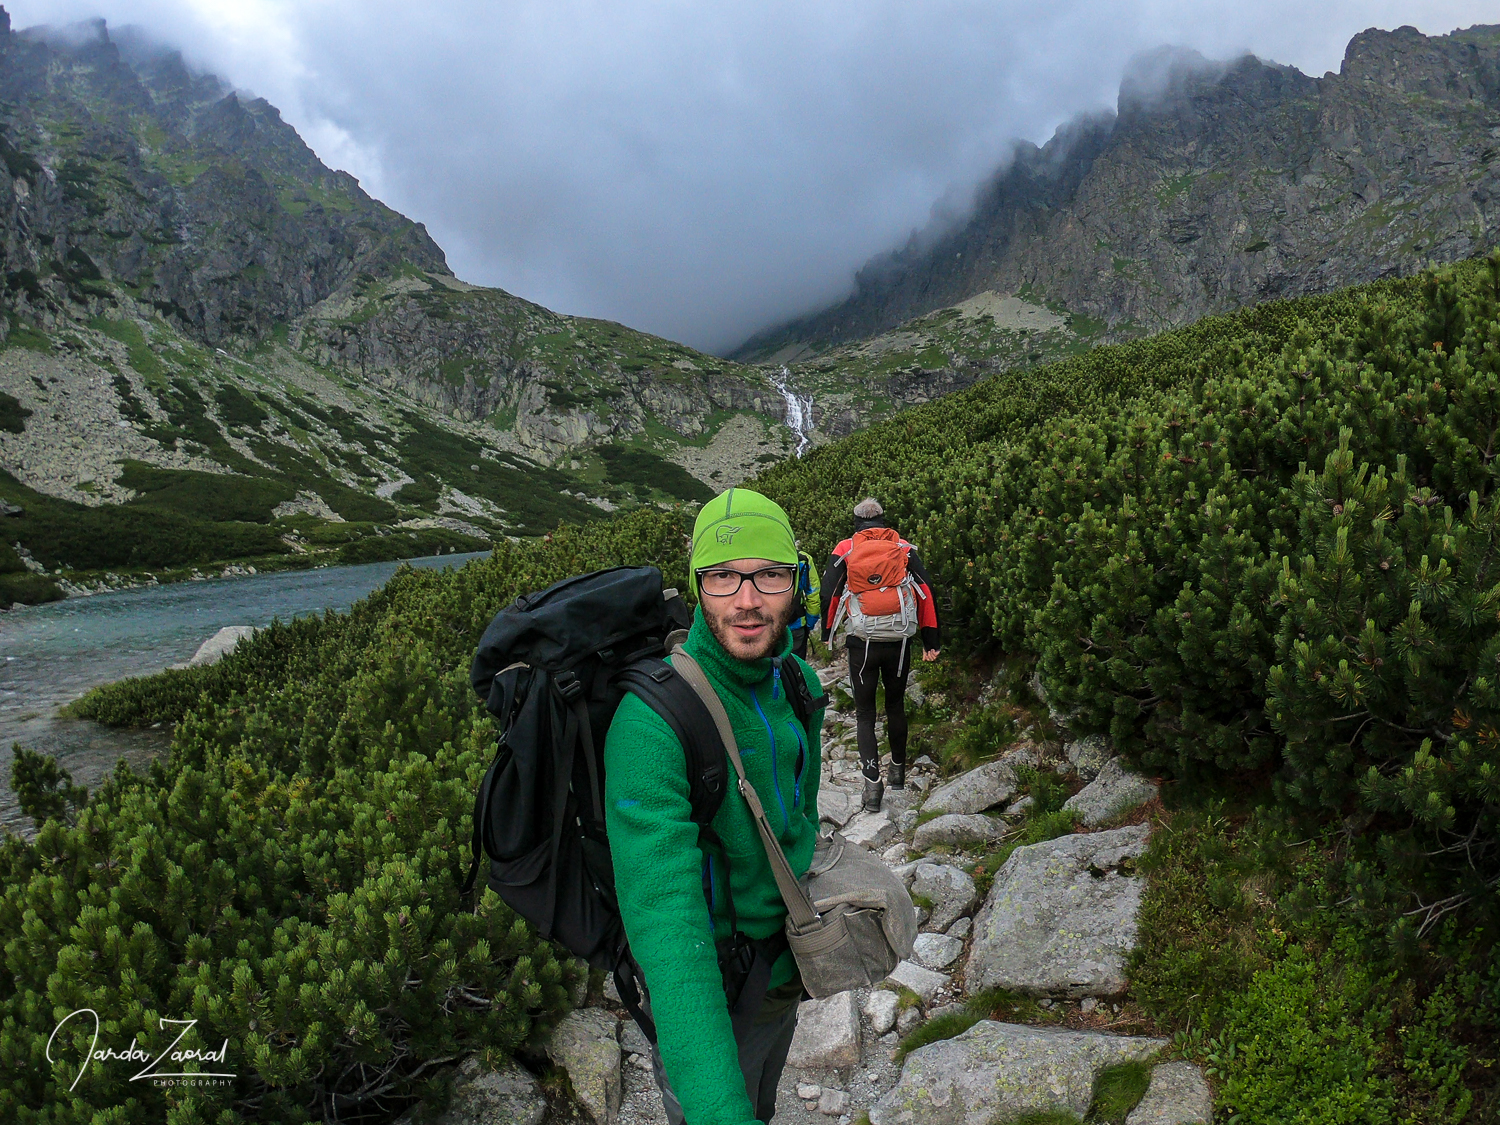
51 654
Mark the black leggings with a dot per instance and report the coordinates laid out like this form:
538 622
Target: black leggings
869 664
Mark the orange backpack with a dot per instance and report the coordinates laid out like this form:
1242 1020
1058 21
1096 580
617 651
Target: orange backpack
876 568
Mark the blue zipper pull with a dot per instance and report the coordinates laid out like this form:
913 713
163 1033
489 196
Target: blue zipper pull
775 678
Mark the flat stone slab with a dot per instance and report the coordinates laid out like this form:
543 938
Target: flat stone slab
586 1044
837 805
936 951
1060 920
873 830
950 889
1178 1095
958 829
1115 791
997 1072
924 982
827 1036
975 791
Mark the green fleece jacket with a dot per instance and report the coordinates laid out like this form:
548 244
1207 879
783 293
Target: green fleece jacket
659 867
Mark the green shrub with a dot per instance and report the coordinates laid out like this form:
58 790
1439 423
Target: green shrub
12 414
1172 561
1300 1044
401 544
28 589
1195 938
289 876
216 497
983 735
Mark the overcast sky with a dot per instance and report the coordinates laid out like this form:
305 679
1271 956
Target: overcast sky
698 168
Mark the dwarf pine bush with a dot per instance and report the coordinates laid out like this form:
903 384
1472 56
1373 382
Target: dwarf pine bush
289 879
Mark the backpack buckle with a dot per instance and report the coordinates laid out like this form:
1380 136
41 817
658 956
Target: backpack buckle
568 686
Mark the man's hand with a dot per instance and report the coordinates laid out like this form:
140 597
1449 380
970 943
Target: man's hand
929 654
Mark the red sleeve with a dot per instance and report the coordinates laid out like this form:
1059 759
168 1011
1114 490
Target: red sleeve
926 608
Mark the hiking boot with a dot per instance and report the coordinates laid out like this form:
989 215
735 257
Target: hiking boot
895 775
874 793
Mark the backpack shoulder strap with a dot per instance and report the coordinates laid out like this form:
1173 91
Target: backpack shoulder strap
662 688
803 702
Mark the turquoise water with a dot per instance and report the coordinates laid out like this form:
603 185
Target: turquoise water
52 654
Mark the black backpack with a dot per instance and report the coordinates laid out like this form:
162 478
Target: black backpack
552 667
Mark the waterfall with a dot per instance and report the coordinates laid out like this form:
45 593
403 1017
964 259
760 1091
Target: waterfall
799 417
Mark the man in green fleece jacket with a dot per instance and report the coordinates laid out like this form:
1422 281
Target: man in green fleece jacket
712 1071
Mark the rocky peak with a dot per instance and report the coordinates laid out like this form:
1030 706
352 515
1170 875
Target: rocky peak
1212 187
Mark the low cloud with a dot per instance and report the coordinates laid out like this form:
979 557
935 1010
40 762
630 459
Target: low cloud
700 170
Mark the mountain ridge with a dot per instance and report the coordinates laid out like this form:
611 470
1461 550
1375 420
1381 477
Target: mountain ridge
1234 183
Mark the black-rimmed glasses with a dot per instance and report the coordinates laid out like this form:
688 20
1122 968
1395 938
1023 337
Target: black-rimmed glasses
721 582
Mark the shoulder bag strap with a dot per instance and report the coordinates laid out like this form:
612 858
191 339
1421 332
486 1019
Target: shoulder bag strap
798 908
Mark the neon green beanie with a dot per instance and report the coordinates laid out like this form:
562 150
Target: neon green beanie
740 524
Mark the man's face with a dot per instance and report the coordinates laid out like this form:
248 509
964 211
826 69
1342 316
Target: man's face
749 624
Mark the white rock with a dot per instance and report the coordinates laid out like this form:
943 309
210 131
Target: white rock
1114 791
220 645
937 951
957 829
586 1044
809 1091
833 1102
1178 1095
905 871
906 820
895 855
950 890
836 804
907 1020
960 929
975 791
873 830
1017 809
924 982
1088 1005
1060 919
882 1006
827 1034
633 1040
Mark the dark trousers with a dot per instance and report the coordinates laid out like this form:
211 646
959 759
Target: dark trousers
799 641
870 664
763 1044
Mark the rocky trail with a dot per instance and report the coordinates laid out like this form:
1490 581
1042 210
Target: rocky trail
1048 940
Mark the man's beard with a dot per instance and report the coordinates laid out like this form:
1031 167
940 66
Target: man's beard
721 626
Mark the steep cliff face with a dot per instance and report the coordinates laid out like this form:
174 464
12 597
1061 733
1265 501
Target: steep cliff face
193 304
1226 186
207 208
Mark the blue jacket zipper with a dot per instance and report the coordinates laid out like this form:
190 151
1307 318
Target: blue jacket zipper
801 762
775 773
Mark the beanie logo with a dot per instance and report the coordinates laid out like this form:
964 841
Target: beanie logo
726 533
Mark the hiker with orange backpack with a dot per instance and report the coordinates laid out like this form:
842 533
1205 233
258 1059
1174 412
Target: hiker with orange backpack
879 591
